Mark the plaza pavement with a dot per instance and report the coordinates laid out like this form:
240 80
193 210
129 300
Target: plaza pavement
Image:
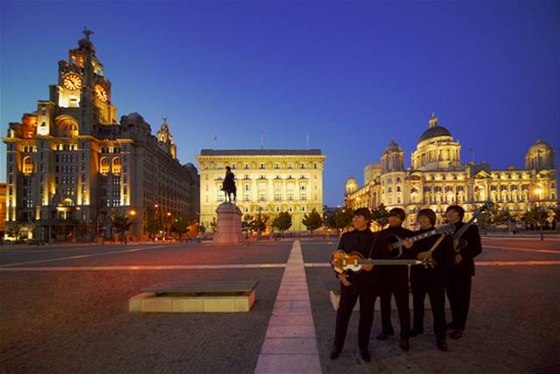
65 310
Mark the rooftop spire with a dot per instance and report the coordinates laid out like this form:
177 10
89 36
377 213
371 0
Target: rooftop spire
87 32
433 121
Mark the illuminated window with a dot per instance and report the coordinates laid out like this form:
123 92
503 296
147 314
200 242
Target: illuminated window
27 166
104 166
116 166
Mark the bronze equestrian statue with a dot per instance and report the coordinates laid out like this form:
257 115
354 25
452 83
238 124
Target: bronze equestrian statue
228 186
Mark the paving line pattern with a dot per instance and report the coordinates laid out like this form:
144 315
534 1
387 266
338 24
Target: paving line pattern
290 344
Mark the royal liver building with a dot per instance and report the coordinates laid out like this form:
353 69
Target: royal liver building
438 178
71 166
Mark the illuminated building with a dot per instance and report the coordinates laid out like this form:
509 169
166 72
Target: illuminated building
438 178
268 182
2 209
71 162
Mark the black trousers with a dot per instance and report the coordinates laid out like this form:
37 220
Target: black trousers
459 295
434 287
348 298
397 286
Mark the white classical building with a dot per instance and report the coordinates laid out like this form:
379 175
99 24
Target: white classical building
268 182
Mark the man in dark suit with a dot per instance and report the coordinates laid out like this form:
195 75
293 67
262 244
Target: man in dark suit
460 278
437 252
356 285
395 278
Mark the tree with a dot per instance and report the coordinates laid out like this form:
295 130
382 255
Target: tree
153 225
247 223
380 215
13 230
121 224
282 222
537 216
259 223
313 221
341 219
180 226
83 229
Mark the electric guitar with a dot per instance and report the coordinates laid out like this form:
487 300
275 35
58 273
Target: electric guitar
395 243
342 261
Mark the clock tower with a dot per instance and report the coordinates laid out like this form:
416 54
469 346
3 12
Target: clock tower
83 92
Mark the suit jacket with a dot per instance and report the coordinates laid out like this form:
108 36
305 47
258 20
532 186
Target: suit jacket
472 249
443 256
358 241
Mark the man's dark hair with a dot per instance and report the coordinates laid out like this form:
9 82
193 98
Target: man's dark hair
459 209
428 213
364 212
399 212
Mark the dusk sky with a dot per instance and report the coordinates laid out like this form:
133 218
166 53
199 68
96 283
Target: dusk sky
344 77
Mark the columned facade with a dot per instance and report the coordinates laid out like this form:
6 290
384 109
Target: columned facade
268 182
438 178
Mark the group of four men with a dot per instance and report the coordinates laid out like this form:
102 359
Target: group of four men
448 267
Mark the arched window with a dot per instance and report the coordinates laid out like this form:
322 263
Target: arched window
104 166
27 165
116 167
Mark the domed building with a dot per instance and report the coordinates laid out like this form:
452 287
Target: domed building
437 178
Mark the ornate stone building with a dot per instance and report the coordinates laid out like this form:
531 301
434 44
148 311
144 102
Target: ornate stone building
268 182
438 178
71 162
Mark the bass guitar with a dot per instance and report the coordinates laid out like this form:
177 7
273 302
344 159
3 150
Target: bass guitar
342 261
395 243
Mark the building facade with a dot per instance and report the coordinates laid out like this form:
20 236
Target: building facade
71 166
438 178
268 182
2 210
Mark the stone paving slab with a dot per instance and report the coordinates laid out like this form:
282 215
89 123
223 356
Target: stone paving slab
78 322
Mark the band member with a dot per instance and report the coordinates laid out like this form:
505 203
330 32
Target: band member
437 253
395 278
467 246
354 286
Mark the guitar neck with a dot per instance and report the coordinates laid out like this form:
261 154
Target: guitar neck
423 235
389 262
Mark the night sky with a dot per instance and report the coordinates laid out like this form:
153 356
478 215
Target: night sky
345 77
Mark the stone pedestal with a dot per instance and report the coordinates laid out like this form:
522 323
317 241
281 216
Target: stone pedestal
228 229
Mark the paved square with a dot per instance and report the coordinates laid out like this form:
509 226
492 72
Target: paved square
65 310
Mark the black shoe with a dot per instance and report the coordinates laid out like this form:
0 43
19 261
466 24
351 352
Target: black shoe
442 346
384 335
335 353
365 355
456 334
404 345
415 332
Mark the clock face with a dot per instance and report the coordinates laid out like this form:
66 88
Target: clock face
72 81
101 93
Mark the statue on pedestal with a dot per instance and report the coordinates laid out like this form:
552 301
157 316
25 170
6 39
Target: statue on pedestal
228 185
